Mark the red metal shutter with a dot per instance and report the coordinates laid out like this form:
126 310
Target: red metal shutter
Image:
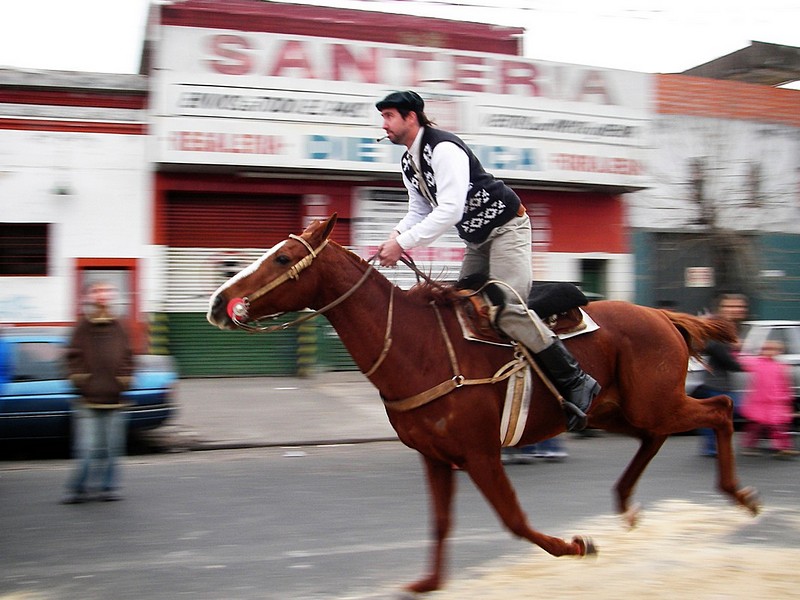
230 220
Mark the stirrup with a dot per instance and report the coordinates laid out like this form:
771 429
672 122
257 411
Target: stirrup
577 420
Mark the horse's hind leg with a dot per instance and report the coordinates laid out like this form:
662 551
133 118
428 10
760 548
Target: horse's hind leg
649 447
721 413
717 413
441 483
490 478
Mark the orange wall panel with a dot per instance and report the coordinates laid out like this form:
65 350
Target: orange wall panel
695 96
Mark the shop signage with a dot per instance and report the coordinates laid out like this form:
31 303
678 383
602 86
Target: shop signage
251 99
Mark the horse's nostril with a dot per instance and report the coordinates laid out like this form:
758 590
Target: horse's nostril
215 304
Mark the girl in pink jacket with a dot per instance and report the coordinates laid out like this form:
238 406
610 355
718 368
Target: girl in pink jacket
767 404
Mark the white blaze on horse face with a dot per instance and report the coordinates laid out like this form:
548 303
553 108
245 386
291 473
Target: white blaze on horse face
248 270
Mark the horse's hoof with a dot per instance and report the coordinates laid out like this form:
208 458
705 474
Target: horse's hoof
750 499
429 584
587 547
631 516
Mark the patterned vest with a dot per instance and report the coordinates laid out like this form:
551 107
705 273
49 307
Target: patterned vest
490 202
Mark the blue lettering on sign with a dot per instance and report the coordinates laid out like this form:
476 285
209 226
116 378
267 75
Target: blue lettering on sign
324 147
507 158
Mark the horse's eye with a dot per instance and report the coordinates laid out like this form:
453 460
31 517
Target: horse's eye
282 259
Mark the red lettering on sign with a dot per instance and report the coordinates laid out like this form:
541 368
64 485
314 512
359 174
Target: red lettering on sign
234 143
519 75
415 60
597 164
292 61
469 74
345 63
594 85
239 54
230 48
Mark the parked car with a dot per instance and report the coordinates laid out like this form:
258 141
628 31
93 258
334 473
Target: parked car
36 401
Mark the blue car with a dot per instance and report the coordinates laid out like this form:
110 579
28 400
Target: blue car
36 401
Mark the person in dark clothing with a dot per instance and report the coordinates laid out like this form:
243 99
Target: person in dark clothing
100 365
721 360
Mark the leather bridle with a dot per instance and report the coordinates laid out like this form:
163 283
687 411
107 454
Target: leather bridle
238 308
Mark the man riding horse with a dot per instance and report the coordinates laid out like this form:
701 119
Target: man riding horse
447 186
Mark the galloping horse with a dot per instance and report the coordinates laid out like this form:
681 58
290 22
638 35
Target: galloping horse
409 348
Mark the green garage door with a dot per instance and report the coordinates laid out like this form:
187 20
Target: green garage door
202 350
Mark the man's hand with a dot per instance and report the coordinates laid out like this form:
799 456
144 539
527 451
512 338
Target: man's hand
389 253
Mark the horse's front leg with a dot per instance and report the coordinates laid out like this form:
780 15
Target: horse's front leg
441 484
489 476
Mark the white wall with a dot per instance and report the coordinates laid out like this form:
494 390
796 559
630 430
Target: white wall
731 150
106 212
563 266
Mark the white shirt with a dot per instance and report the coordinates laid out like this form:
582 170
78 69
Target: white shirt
423 223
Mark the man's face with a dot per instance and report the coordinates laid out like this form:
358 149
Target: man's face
102 295
735 310
400 130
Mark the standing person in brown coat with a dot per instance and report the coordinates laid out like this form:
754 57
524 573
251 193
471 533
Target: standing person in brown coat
100 365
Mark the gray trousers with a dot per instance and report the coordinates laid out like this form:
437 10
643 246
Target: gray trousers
506 256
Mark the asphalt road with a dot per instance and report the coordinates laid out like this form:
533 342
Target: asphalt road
310 523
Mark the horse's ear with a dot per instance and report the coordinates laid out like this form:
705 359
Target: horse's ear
329 226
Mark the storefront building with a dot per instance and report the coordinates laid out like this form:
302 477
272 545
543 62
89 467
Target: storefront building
256 118
722 214
74 180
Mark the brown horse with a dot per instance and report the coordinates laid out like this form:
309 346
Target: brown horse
406 347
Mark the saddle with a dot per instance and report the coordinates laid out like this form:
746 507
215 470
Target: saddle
558 304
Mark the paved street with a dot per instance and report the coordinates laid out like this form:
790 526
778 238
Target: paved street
319 522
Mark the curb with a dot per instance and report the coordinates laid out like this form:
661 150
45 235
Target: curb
171 439
210 446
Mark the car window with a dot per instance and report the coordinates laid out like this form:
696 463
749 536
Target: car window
788 336
38 361
777 334
792 339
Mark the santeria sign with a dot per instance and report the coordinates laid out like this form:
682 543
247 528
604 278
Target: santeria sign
272 100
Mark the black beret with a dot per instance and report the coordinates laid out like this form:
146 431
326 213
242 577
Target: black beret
408 100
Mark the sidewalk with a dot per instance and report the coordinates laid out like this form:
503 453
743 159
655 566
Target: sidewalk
245 412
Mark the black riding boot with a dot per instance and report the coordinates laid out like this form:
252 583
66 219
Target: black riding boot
577 387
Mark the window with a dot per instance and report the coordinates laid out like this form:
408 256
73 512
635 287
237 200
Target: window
24 248
39 361
593 278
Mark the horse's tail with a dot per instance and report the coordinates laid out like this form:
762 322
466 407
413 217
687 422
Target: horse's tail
696 331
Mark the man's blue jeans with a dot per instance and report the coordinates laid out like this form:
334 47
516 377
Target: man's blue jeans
99 440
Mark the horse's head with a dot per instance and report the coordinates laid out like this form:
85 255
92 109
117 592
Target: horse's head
264 288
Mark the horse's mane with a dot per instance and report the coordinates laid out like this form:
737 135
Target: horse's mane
440 293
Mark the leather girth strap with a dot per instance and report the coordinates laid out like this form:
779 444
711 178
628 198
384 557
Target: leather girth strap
458 380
